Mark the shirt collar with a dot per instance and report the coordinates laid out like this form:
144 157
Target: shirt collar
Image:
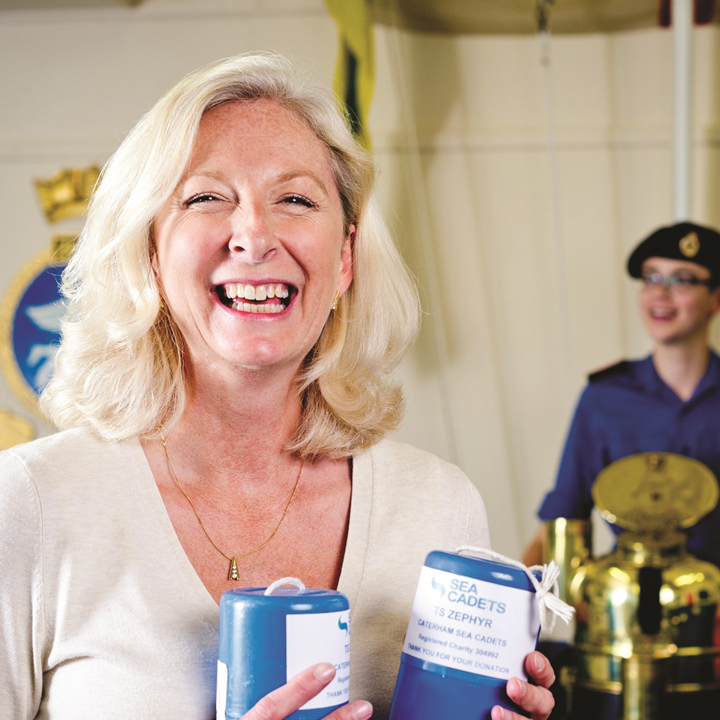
648 377
710 380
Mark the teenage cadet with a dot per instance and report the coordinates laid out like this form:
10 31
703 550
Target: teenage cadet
668 401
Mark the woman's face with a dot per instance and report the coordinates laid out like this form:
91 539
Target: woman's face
250 248
677 312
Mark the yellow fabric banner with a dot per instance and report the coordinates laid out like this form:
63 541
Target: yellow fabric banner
355 73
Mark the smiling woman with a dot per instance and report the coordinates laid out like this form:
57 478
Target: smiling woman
258 210
235 309
143 183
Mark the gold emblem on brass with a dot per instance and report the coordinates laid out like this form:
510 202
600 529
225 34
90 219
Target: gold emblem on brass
690 245
655 492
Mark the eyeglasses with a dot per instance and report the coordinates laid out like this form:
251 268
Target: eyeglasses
681 283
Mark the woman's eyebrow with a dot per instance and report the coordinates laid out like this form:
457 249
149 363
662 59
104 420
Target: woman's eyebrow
292 174
284 177
210 174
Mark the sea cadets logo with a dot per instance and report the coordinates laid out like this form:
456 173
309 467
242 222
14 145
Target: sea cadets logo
437 585
690 245
32 310
344 625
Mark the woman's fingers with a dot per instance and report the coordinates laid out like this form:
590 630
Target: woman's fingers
303 687
356 710
535 699
288 698
538 667
538 701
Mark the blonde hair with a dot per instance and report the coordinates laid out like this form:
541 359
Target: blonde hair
120 367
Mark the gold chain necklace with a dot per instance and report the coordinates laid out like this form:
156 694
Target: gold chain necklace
233 573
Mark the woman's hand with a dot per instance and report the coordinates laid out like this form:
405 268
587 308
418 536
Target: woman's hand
535 699
303 687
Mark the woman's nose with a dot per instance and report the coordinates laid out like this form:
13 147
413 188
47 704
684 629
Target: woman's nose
252 235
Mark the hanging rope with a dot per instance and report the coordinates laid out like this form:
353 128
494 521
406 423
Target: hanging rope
543 20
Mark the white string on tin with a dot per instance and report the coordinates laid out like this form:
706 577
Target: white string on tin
299 584
546 589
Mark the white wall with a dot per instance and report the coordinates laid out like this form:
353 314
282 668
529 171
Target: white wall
529 292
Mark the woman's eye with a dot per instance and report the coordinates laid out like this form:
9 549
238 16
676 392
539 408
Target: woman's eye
298 200
201 198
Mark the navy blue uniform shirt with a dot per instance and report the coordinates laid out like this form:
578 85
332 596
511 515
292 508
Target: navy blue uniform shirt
627 410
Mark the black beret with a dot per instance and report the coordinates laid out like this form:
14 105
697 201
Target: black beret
682 241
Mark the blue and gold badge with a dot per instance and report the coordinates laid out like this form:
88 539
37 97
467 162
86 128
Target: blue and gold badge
31 312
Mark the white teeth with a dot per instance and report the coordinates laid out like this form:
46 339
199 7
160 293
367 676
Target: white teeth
238 291
661 313
271 309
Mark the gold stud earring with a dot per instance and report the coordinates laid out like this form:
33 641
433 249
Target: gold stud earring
335 301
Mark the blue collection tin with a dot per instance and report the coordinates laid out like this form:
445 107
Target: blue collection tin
473 623
265 640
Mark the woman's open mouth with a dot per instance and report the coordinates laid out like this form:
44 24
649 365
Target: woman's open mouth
269 299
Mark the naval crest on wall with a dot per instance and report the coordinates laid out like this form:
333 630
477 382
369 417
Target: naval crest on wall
32 309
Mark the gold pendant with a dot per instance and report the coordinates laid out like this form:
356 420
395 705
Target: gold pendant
233 574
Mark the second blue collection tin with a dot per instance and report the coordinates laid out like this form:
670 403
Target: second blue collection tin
267 639
473 623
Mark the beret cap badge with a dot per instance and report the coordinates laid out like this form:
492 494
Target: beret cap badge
682 241
690 245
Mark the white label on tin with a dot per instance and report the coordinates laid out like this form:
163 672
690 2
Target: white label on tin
472 625
221 697
321 637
